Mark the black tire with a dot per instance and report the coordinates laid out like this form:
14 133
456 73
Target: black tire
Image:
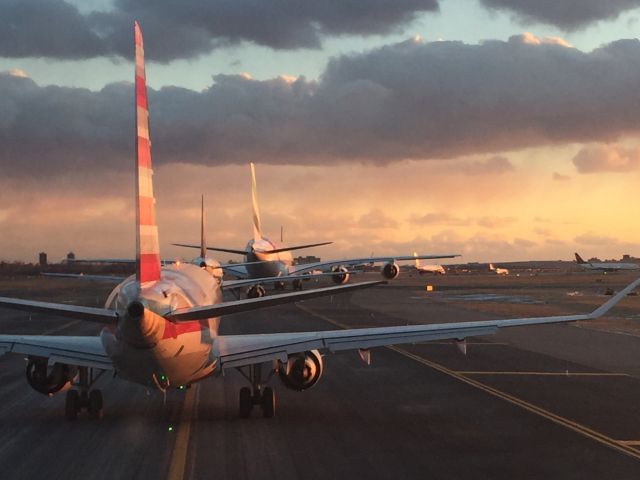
268 403
246 402
297 284
95 404
72 405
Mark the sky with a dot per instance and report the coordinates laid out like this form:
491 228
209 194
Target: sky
502 130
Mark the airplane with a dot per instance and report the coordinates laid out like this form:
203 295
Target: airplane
422 269
161 324
498 270
605 266
263 258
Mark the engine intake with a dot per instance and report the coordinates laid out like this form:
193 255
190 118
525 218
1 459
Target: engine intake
302 371
340 278
391 270
49 380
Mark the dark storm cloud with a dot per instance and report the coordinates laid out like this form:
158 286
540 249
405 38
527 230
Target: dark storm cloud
409 100
185 29
566 14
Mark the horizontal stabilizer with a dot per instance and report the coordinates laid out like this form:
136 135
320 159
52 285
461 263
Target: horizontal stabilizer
100 315
238 306
297 247
215 249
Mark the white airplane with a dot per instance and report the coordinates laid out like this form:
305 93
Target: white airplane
498 270
605 266
161 324
264 258
434 268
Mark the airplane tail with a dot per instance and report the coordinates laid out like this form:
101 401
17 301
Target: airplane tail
579 259
491 267
415 254
203 240
257 235
147 244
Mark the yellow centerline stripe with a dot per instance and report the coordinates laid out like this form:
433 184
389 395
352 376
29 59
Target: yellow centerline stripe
564 422
181 445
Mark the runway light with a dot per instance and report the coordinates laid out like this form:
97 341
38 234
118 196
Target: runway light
170 428
429 288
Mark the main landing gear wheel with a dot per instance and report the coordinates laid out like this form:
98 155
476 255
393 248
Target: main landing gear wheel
297 284
95 404
268 403
72 405
256 395
256 291
246 402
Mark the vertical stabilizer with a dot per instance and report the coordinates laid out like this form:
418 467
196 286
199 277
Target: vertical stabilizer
579 259
147 245
254 202
415 254
203 240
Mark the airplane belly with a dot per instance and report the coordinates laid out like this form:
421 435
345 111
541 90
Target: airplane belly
170 363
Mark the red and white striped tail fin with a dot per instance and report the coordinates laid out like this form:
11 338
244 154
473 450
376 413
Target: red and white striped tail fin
148 249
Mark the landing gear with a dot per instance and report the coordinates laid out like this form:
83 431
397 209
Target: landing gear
257 395
279 286
256 291
76 400
297 284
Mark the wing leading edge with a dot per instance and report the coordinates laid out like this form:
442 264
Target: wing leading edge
242 350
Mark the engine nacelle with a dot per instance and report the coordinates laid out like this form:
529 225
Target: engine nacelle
302 371
49 380
390 271
342 277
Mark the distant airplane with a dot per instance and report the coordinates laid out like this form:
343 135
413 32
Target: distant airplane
434 268
498 271
263 258
605 266
161 324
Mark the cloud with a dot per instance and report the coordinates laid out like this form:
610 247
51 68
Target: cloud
409 100
376 218
565 14
606 158
523 243
495 165
440 219
186 29
591 238
560 177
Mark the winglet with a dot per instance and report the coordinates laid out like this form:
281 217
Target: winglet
147 245
254 202
579 259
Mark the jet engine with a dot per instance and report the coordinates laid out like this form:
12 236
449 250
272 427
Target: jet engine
342 277
49 380
391 270
302 371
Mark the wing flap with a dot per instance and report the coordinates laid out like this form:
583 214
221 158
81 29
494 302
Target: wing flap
79 351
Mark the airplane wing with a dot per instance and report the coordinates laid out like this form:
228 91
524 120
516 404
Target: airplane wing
239 271
242 350
82 276
237 306
230 284
78 351
363 261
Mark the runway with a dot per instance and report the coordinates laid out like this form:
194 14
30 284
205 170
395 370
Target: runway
538 402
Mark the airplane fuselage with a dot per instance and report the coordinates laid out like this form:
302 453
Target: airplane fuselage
274 264
609 267
153 351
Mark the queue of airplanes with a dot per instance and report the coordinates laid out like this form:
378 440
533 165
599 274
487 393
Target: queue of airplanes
160 326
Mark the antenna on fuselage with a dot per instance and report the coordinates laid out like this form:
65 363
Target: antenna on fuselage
147 244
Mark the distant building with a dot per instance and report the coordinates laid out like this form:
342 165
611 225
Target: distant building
71 257
42 259
308 259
